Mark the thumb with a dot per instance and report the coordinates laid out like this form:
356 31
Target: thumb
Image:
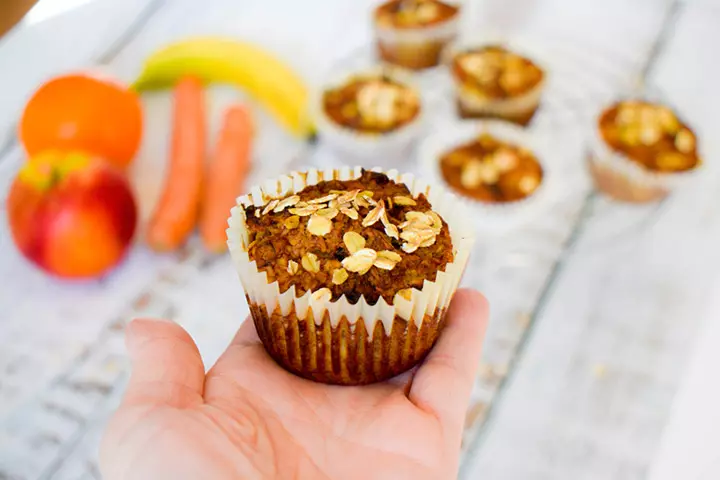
166 365
445 379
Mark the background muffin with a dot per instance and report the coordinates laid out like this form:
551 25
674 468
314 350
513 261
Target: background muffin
499 170
491 170
641 151
371 113
494 81
413 33
348 279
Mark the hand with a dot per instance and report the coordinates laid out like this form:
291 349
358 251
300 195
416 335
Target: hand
247 418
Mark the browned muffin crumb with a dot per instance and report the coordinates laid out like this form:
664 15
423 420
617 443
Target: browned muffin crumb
650 135
414 13
495 73
372 104
491 170
364 237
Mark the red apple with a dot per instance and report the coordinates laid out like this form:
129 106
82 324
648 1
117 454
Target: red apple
72 215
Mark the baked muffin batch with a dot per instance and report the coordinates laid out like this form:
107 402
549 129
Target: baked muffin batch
641 153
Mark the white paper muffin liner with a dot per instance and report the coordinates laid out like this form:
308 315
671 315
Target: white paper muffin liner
416 42
637 182
426 301
392 36
364 147
511 108
485 214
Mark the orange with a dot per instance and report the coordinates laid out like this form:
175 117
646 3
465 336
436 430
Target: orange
83 112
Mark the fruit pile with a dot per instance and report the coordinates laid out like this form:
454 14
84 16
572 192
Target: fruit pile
71 207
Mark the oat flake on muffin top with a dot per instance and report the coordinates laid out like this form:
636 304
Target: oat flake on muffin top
364 237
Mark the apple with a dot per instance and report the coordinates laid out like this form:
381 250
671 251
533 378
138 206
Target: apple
70 214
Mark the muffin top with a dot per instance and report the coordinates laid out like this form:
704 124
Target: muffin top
491 170
414 13
364 237
372 104
651 135
494 72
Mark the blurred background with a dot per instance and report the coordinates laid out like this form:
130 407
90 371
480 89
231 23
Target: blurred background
599 359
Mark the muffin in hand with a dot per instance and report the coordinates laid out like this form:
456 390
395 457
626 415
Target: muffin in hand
348 273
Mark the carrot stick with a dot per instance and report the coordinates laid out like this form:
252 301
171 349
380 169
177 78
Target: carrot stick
175 215
228 170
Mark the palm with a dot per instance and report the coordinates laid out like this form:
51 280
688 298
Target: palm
248 418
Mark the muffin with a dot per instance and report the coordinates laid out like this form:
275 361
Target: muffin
492 171
497 169
348 273
413 33
494 82
370 114
641 151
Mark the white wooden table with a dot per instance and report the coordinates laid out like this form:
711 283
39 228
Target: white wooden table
591 393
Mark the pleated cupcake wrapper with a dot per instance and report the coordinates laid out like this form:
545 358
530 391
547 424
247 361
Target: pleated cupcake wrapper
368 145
632 172
492 215
344 354
426 301
511 108
443 31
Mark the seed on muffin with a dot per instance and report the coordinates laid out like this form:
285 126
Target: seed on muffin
328 213
319 225
271 205
386 259
322 295
305 211
353 242
404 201
360 261
310 262
339 276
286 202
325 199
350 212
292 222
405 293
374 215
292 267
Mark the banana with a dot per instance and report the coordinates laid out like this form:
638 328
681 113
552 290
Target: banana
221 60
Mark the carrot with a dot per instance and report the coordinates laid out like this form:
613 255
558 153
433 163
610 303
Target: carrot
229 167
175 215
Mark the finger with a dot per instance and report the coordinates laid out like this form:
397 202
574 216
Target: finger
166 365
444 381
246 334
